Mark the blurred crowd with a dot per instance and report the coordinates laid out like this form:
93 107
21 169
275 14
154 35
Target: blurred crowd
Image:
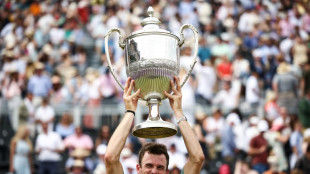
248 97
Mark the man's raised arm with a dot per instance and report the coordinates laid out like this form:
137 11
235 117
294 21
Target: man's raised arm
118 139
196 157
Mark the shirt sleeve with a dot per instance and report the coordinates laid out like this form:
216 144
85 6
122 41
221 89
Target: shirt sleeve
89 143
37 147
293 140
60 144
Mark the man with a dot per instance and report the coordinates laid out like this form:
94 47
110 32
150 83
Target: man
78 140
45 113
153 158
259 149
49 146
39 84
303 163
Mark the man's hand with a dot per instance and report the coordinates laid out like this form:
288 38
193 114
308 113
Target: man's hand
175 99
131 101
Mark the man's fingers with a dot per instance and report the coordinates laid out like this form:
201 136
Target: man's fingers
130 87
177 79
135 95
168 95
127 84
173 87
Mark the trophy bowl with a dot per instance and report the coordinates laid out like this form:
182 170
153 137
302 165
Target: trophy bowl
152 57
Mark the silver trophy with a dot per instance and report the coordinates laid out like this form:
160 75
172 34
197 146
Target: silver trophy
152 60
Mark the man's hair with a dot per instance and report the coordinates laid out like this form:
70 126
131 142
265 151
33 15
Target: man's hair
154 148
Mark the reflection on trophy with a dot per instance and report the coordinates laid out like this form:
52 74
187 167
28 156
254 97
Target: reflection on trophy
152 60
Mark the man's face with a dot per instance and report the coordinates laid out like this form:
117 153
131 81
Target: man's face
153 164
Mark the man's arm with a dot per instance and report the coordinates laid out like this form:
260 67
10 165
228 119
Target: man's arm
196 157
118 139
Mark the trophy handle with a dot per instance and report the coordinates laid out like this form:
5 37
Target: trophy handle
181 42
120 43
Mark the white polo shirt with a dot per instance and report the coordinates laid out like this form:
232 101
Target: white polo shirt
47 144
45 114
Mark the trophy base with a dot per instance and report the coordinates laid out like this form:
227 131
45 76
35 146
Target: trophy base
154 129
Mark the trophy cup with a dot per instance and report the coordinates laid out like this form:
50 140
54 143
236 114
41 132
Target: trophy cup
152 60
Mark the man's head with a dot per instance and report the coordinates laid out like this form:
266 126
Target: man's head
153 157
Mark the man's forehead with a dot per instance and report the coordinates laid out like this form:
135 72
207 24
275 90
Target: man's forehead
154 159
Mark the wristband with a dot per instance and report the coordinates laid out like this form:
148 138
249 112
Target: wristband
133 112
181 119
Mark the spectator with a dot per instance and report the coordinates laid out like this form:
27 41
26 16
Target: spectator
45 113
252 94
251 131
304 110
176 159
65 127
299 52
201 133
82 154
228 138
214 126
108 88
276 141
21 152
59 94
226 98
305 80
27 109
259 149
12 92
39 84
206 80
49 146
78 140
224 68
240 68
302 164
204 51
271 108
100 166
296 140
285 84
78 167
104 136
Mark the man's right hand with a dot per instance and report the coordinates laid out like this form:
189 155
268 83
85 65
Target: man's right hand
175 99
131 101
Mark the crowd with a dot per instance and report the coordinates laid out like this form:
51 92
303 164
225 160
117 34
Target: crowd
247 99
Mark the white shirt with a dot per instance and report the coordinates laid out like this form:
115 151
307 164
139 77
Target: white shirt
252 90
47 144
285 47
176 159
93 90
44 114
206 81
57 35
247 21
30 106
240 67
227 99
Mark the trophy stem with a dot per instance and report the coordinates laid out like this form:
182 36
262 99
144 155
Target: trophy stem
154 126
153 109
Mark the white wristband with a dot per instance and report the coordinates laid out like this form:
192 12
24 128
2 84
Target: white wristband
181 119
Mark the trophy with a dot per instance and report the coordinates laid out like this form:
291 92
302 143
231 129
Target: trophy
152 57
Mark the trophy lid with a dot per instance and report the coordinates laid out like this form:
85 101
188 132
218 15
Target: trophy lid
150 22
151 26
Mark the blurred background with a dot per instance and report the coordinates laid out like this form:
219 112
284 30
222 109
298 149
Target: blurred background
247 99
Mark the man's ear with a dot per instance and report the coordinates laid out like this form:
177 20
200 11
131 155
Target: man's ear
138 167
167 171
